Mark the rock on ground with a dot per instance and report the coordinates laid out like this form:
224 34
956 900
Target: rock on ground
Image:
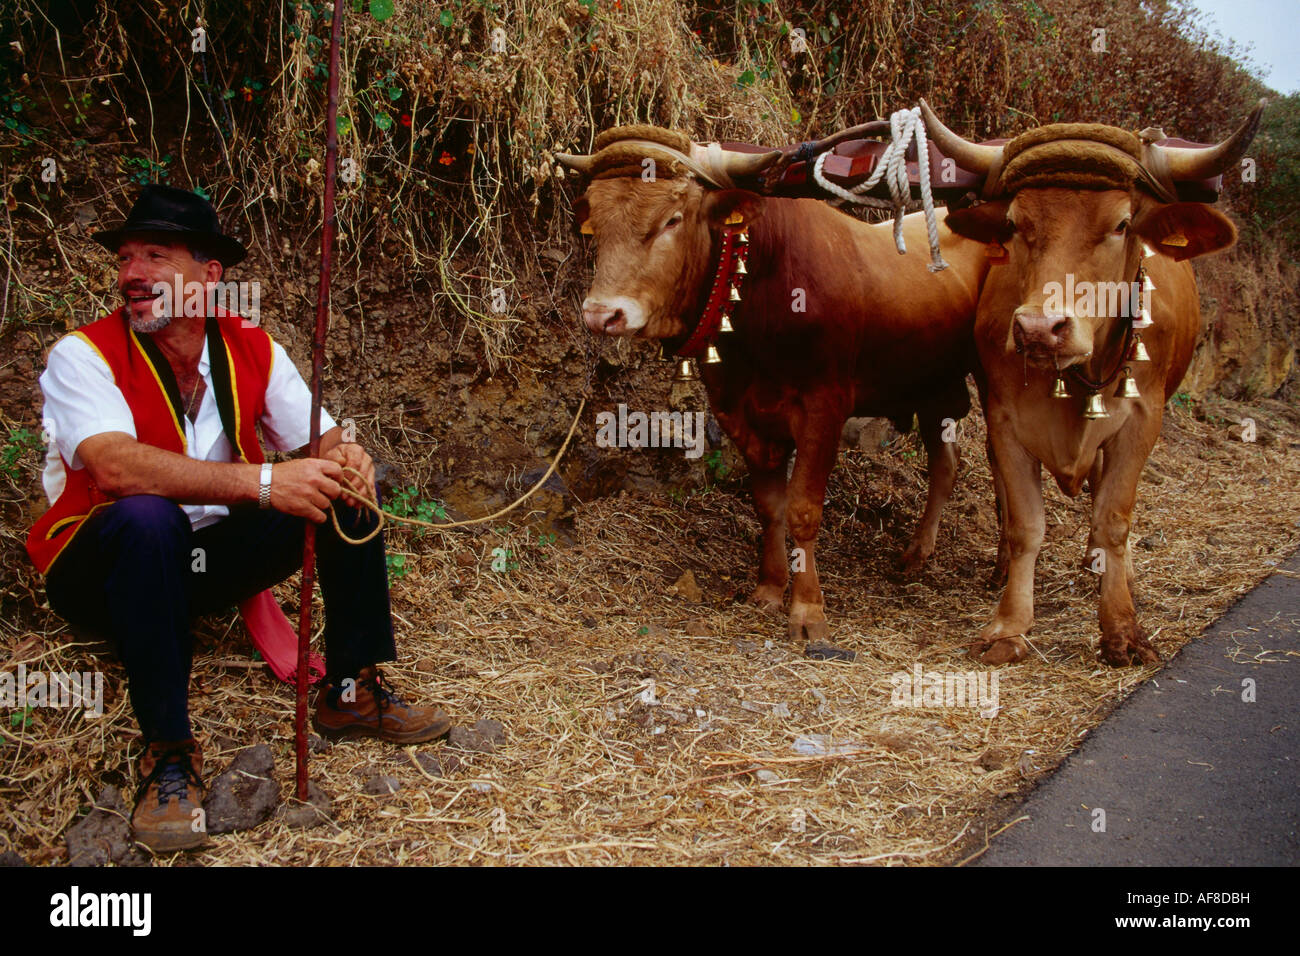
104 835
245 795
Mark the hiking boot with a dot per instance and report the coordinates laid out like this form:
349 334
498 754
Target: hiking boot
368 708
171 790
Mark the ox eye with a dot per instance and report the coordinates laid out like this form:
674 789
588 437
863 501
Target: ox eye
673 221
1122 228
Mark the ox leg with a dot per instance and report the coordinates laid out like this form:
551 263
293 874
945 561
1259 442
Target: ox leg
1094 484
942 460
1003 563
1002 640
1123 640
816 448
769 488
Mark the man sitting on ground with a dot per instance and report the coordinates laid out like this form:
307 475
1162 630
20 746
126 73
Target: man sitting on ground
162 508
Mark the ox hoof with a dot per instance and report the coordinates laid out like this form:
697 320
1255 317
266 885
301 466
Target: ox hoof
766 597
808 632
1129 648
912 561
1004 650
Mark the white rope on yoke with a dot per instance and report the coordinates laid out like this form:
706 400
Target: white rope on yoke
904 125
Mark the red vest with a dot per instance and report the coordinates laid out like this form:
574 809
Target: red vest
240 360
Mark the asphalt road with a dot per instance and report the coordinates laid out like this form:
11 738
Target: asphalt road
1187 772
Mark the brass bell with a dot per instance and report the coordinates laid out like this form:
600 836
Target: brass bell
1130 388
663 353
1144 319
734 296
726 325
1147 284
711 356
742 237
1147 251
685 371
1058 391
1140 353
1096 407
740 268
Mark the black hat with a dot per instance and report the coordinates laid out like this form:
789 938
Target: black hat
167 209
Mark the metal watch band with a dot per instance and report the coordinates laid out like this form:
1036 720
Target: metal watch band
264 490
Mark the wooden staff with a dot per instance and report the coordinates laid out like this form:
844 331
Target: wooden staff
317 361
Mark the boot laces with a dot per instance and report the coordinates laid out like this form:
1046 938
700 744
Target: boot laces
174 773
385 698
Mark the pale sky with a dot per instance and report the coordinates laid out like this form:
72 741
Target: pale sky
1271 27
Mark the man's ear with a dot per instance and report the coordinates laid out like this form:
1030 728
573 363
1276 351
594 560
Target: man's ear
1185 230
732 207
214 270
581 210
986 222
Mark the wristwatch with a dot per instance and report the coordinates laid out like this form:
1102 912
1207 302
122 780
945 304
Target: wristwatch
264 487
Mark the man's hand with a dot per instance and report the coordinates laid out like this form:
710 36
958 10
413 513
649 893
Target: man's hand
353 456
305 487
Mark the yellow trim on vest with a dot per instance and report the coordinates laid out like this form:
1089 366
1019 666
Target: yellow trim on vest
234 395
49 535
185 445
86 338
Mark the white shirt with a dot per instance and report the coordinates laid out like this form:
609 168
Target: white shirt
82 400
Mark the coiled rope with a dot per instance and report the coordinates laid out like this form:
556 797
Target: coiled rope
905 126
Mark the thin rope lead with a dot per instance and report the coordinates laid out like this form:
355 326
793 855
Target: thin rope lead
905 126
384 516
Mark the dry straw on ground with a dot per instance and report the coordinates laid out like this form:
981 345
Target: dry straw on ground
645 727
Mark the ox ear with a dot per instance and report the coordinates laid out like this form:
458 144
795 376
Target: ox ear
986 222
1185 230
581 210
732 206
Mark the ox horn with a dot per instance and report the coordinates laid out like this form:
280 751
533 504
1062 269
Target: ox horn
1196 164
581 163
971 156
747 164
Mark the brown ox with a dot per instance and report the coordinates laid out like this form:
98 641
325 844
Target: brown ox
1074 205
878 335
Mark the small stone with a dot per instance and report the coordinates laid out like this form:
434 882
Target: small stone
996 758
698 627
245 795
467 738
381 785
767 776
298 815
429 764
317 744
10 858
1215 540
491 730
829 652
1151 543
104 835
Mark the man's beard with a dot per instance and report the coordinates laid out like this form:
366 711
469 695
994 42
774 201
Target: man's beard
147 326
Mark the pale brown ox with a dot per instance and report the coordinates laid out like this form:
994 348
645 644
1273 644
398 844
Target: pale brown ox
1097 235
880 336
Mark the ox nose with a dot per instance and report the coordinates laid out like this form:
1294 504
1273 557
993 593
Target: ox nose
1036 329
601 318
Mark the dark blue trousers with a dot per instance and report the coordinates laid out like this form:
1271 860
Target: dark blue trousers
130 574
